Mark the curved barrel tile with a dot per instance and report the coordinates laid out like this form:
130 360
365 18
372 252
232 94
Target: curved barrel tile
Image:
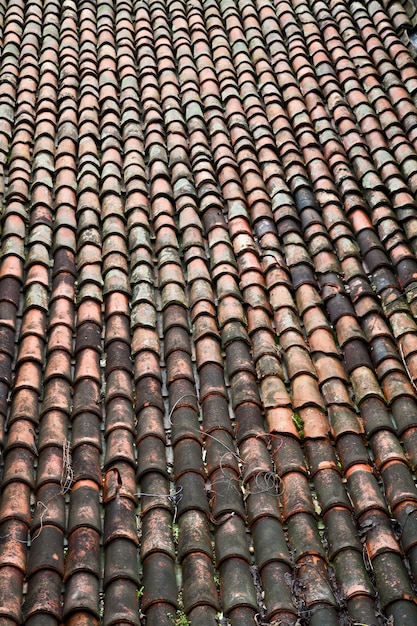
208 333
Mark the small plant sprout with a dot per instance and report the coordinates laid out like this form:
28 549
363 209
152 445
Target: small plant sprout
299 424
175 531
179 619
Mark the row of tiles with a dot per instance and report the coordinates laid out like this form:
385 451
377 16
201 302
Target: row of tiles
216 202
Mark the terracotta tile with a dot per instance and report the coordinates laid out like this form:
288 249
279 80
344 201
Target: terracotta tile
269 136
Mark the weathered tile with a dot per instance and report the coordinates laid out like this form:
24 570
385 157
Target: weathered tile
207 271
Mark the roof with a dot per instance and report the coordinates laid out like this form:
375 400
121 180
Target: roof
208 299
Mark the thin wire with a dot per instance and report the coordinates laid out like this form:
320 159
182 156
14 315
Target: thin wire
174 497
186 395
224 446
170 495
45 508
406 368
67 470
67 477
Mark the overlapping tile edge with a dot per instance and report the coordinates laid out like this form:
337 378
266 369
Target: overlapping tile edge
207 312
